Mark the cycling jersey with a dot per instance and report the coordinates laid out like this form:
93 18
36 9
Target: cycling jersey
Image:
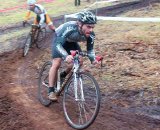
42 16
67 34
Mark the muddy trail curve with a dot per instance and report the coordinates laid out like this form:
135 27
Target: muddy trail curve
21 110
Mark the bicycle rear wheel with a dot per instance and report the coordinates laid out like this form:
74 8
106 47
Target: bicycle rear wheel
43 82
82 112
27 45
41 38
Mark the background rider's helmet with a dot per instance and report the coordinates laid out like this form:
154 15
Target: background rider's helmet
87 17
31 2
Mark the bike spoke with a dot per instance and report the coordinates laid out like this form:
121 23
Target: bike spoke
70 96
84 115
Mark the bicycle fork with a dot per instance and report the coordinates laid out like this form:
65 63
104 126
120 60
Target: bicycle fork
79 98
78 88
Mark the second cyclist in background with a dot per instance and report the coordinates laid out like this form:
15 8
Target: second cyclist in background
41 15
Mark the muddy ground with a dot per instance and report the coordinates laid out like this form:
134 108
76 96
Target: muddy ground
129 86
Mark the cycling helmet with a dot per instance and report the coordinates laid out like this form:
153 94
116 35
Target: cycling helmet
87 17
31 2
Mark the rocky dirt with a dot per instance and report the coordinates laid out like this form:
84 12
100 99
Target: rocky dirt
129 82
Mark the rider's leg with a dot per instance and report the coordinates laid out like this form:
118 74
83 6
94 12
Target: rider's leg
69 68
36 20
52 78
68 47
66 71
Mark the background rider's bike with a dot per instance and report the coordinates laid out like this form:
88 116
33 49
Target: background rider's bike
35 37
80 90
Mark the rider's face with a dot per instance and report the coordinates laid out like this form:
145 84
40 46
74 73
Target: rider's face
31 6
87 29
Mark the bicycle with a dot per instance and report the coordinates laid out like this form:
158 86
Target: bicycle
35 36
81 93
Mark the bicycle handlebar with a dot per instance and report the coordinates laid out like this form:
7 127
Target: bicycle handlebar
33 25
74 53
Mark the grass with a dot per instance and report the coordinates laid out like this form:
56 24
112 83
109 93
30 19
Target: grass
121 28
141 37
14 35
11 3
131 31
55 8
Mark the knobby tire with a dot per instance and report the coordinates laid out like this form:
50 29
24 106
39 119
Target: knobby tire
41 38
27 45
69 104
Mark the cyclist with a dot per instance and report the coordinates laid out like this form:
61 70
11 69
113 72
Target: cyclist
42 16
66 37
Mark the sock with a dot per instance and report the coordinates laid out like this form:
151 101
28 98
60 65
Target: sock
51 89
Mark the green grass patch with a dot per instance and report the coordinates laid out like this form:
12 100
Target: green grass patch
55 8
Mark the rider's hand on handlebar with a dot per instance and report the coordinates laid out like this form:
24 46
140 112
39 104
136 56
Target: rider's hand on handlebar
24 23
97 60
69 59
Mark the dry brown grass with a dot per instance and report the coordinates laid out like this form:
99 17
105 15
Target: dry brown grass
131 51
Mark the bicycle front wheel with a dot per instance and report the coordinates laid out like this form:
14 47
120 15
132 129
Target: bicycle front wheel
27 45
41 38
43 84
81 112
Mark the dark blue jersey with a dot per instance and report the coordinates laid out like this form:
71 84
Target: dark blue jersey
69 33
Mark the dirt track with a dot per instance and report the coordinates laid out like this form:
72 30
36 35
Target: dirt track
21 110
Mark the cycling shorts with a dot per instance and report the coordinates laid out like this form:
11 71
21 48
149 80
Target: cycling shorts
47 20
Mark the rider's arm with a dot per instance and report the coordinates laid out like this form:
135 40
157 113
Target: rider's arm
59 42
27 15
90 50
63 33
91 55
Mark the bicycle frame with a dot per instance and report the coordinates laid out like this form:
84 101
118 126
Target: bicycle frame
74 72
61 87
76 68
34 33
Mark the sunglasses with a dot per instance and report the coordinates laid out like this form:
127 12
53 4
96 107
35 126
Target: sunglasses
31 5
